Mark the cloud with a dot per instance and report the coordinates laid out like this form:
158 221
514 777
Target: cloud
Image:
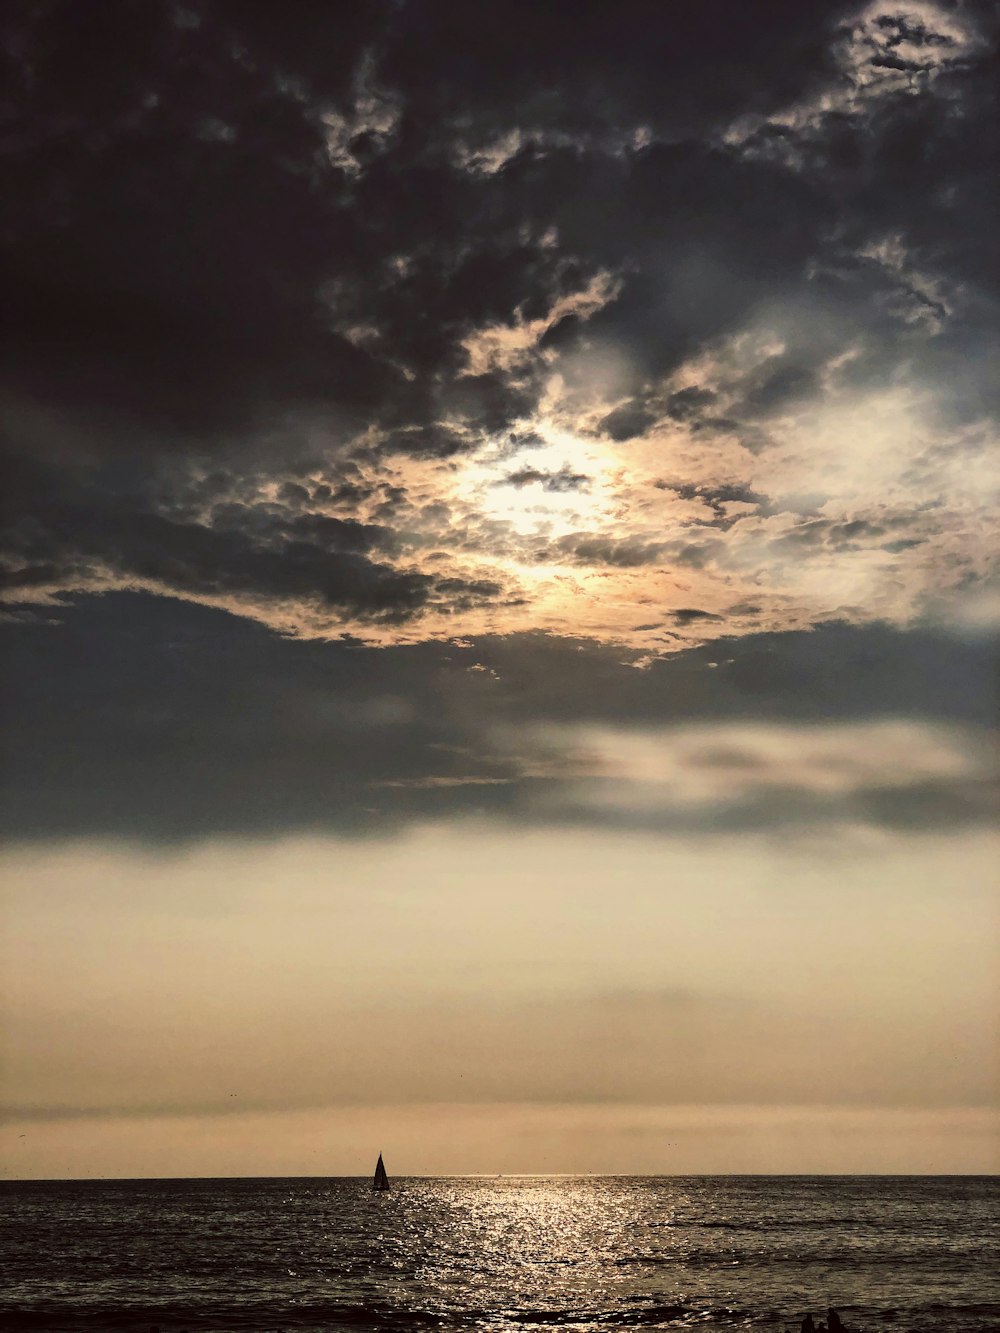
626 422
719 293
675 296
563 480
686 615
144 718
893 772
655 355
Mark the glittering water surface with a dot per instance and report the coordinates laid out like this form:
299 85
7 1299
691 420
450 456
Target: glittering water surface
534 1253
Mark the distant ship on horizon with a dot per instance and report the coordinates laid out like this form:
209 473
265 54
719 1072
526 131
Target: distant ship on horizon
381 1181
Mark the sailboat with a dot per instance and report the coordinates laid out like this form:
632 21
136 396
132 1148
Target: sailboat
381 1181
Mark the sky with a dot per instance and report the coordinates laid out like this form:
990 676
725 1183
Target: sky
500 609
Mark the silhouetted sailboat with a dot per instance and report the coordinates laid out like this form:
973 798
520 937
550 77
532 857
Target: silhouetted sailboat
381 1181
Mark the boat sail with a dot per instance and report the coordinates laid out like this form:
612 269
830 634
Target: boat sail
381 1181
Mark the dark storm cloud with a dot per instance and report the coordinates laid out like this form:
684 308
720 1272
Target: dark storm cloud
188 256
781 384
182 248
717 497
253 254
598 550
68 532
504 67
878 159
688 404
144 718
686 615
625 423
179 219
563 480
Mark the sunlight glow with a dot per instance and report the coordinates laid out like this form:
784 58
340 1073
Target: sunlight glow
549 491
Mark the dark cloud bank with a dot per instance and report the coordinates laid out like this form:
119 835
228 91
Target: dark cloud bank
144 718
246 241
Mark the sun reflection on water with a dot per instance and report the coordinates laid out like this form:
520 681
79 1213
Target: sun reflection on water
525 1247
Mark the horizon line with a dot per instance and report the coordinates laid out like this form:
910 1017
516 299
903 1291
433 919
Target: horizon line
540 1175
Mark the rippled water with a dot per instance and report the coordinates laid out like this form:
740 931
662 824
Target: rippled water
906 1253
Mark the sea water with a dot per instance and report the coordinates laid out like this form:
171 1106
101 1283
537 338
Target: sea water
532 1253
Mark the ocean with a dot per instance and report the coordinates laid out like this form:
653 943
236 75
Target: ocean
511 1253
